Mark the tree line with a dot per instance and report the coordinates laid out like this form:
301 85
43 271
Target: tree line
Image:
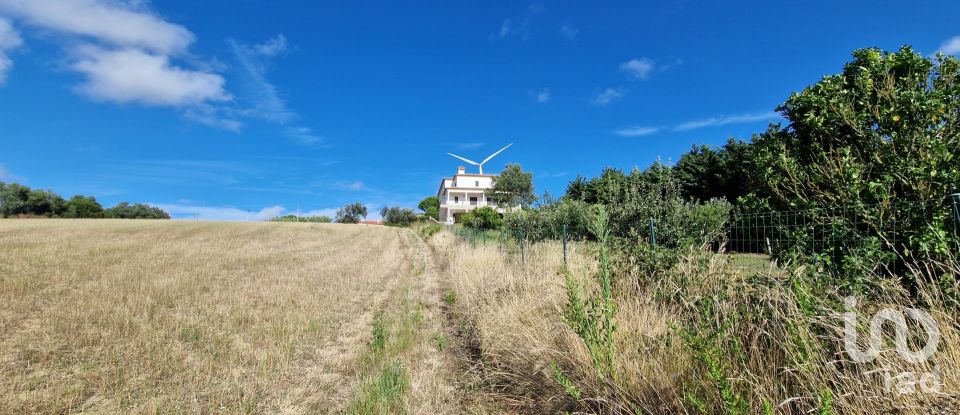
21 201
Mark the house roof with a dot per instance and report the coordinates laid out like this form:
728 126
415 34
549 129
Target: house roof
439 189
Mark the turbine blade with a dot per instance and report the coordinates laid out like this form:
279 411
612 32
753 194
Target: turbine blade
466 160
495 154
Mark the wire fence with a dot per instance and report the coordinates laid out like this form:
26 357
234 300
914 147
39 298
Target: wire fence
884 234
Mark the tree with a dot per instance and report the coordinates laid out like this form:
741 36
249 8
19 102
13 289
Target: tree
880 135
398 216
512 187
81 206
884 129
577 189
124 210
430 207
351 213
13 200
706 173
485 218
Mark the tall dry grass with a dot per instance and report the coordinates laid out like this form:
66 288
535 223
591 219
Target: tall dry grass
704 337
103 316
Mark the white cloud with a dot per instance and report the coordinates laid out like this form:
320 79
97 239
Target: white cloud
724 120
117 22
636 131
607 96
125 51
130 75
353 186
638 68
950 46
225 213
543 96
569 32
9 40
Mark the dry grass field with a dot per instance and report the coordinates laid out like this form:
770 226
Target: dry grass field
103 316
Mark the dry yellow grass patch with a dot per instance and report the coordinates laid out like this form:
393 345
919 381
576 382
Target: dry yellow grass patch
771 356
177 317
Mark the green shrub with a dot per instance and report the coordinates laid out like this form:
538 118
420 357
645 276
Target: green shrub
485 218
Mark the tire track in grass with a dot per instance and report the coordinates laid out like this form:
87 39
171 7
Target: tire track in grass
406 368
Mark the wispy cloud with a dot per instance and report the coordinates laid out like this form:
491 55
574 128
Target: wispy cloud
638 68
352 186
724 120
551 175
6 175
469 146
950 46
219 213
608 96
9 40
509 28
542 96
265 100
636 131
640 131
124 51
185 209
569 31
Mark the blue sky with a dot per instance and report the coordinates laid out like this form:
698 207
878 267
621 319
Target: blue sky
243 110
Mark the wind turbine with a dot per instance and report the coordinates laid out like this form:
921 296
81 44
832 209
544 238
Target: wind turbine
480 164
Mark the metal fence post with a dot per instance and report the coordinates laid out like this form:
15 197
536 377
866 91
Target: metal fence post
653 235
564 245
955 201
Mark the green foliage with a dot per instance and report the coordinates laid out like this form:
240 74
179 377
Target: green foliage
19 200
124 210
399 216
430 207
655 193
512 187
725 173
385 394
295 218
590 315
351 213
880 133
547 220
463 217
485 218
568 386
83 207
380 334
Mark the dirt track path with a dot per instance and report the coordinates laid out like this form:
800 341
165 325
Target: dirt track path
407 330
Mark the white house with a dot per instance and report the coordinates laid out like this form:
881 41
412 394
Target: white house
464 192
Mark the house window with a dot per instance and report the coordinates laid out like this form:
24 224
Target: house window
473 201
478 183
456 199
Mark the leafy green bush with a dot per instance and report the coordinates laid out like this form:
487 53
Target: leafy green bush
463 217
485 218
547 221
398 216
878 142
